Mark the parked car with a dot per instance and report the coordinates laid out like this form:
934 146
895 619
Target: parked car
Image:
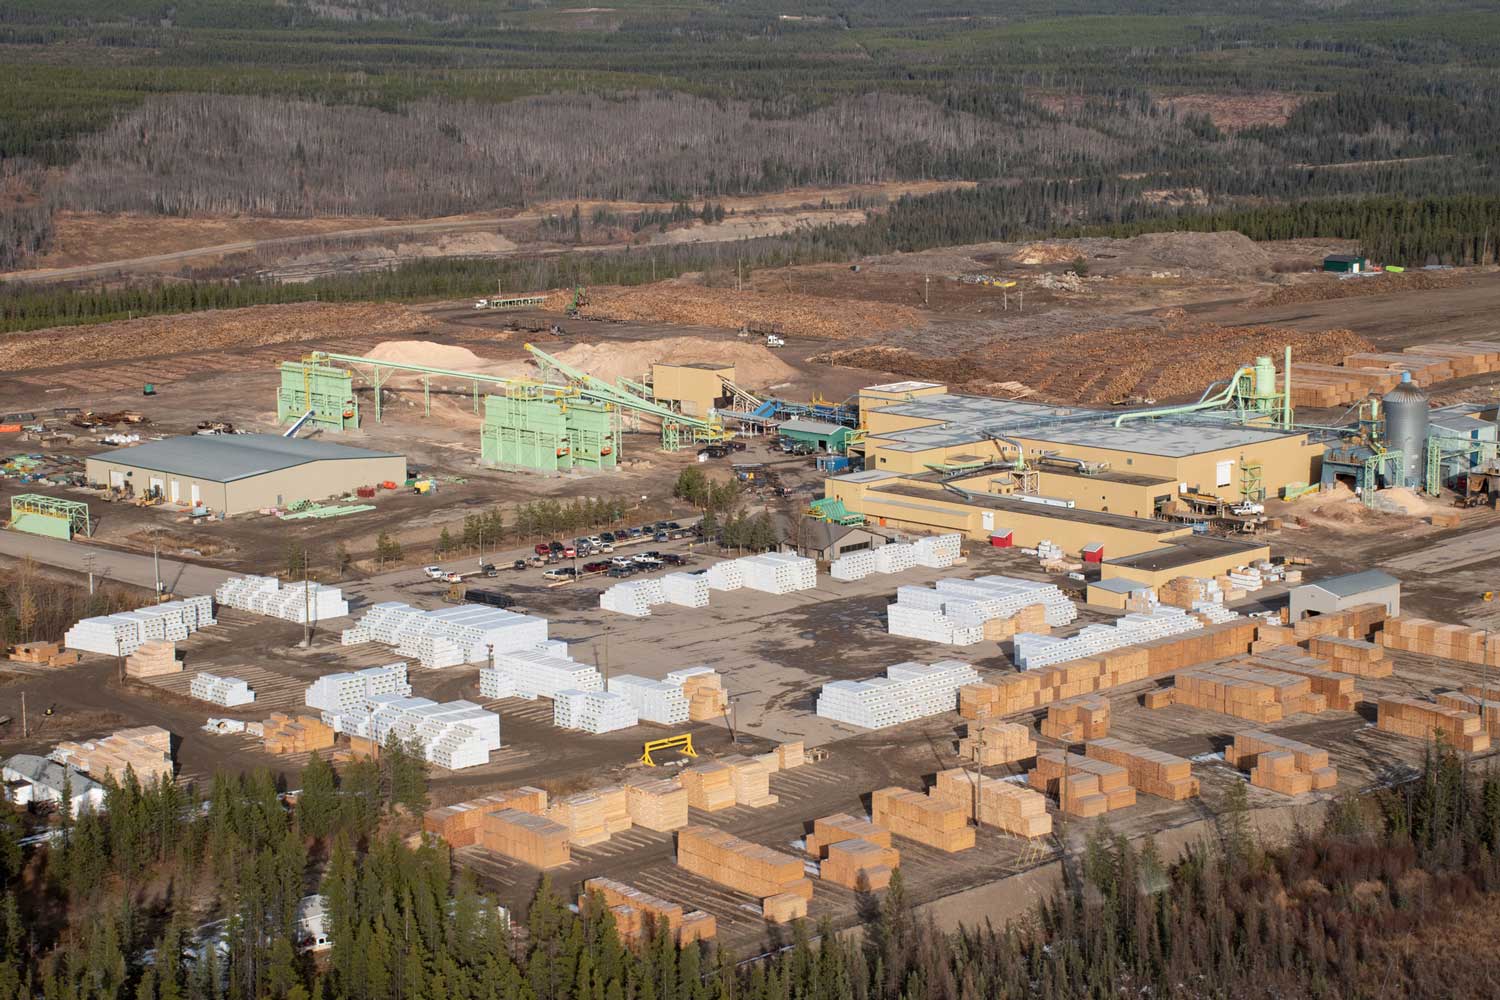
541 548
595 540
606 547
673 559
560 573
452 578
673 526
621 561
621 571
518 564
489 569
633 532
661 536
608 537
569 552
554 546
434 572
596 567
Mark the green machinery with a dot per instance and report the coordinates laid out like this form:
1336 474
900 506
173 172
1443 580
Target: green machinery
49 516
534 426
1442 448
1251 392
313 384
833 511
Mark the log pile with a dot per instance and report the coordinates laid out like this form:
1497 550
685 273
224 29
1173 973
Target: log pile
284 734
1424 720
659 804
1083 786
1001 804
146 750
993 743
710 786
774 878
929 821
1351 656
1448 642
1077 719
633 908
153 659
1280 764
1151 771
1033 689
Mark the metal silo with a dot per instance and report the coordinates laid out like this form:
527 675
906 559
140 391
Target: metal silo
1406 416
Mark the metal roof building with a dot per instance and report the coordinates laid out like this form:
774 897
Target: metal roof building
31 779
235 473
1336 593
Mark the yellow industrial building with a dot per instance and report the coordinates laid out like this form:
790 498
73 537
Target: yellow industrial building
693 389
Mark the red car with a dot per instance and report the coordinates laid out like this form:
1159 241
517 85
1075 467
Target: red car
569 552
541 549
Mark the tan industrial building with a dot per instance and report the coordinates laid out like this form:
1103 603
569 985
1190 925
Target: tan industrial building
236 473
693 389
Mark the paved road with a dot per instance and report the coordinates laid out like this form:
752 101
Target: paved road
125 567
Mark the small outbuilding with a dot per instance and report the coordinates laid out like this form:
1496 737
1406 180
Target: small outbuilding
818 435
1345 263
1113 593
825 541
236 473
1372 586
33 780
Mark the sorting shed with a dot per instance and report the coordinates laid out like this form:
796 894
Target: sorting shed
1337 593
817 434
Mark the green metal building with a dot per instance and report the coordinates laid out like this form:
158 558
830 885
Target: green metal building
43 515
322 388
532 429
1345 263
817 434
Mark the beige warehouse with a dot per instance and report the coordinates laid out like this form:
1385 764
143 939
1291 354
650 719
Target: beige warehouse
236 473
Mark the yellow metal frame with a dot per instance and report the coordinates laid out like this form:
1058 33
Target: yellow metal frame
683 743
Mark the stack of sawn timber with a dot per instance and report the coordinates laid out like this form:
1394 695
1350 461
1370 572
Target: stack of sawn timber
1424 720
632 908
285 734
1077 719
777 880
1154 772
1084 786
1281 764
992 743
1448 642
853 852
1002 804
1364 374
508 823
592 817
931 821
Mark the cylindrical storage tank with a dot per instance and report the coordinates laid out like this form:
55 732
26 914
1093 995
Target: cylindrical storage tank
1265 378
1406 420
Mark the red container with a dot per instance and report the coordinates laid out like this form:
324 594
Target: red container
1003 540
1093 553
365 491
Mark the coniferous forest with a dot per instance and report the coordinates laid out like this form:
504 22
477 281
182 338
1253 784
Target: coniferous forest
169 895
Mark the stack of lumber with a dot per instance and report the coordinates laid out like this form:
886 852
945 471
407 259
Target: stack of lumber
710 786
1371 372
1269 637
1326 386
146 750
777 880
1247 692
706 697
1039 688
1471 699
633 908
751 779
1032 618
859 865
929 821
841 826
1474 357
361 746
659 804
297 734
995 743
1338 689
1001 804
592 817
1449 642
1077 719
1351 656
1425 369
46 654
1425 719
1265 756
460 823
790 755
1351 623
1151 771
530 839
1084 786
1189 591
153 659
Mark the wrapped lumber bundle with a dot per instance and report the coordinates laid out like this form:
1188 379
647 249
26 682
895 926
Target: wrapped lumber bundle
997 743
1488 709
632 907
1351 623
659 804
1077 719
153 659
710 786
147 750
1084 787
841 826
531 839
1448 642
1002 804
750 779
745 867
1425 720
1261 754
859 865
285 734
1033 689
1351 656
929 821
790 755
1151 771
1337 688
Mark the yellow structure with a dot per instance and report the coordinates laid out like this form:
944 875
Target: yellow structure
693 389
683 743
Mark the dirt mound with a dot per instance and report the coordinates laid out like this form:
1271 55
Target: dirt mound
425 352
754 365
1322 288
1112 365
697 305
1046 253
1230 252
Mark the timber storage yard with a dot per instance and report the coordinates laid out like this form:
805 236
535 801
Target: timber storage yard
989 614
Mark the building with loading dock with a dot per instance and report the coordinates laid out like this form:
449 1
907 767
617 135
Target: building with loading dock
695 389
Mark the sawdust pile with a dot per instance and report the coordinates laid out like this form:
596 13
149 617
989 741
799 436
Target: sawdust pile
1046 253
1113 365
1225 253
754 365
697 305
1324 288
425 352
221 329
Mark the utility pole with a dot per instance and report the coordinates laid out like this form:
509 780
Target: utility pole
24 733
306 606
156 567
926 288
88 564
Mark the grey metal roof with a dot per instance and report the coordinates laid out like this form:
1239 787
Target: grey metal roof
49 773
806 426
1351 584
1119 585
968 419
224 458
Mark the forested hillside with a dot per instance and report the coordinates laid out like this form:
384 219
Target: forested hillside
296 108
170 898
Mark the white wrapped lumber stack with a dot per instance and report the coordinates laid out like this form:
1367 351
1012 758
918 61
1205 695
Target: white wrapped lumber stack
1033 651
907 692
226 691
349 692
690 590
653 701
778 573
592 711
937 551
726 575
930 626
629 598
894 558
537 675
853 565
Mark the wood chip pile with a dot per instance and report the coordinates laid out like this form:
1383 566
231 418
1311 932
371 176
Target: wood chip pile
1083 786
285 734
1002 804
147 750
1281 764
1424 720
1077 719
632 907
1449 642
153 659
931 821
659 804
774 878
996 743
1154 772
